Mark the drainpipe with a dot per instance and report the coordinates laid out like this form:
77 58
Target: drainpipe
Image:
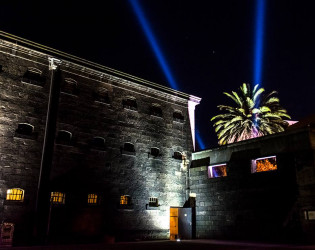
42 198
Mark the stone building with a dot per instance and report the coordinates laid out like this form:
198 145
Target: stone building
260 189
87 152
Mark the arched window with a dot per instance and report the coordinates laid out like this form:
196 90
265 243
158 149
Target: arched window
130 103
156 110
25 129
15 194
70 86
177 155
101 95
155 152
33 76
98 142
57 198
129 147
64 137
178 116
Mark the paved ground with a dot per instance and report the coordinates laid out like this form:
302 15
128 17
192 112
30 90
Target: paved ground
173 245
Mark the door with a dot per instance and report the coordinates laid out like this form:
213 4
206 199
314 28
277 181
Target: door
180 223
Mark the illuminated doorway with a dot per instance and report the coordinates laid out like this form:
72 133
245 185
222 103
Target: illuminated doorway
180 223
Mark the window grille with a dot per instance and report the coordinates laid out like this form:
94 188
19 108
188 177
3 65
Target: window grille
153 202
57 198
92 198
125 200
15 194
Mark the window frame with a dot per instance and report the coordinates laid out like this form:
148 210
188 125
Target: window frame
15 195
210 170
253 166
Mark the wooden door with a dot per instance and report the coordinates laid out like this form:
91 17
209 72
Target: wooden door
173 223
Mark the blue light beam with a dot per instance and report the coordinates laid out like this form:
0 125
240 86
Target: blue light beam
200 142
153 42
258 53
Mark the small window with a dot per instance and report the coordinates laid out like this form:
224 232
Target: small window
125 200
101 96
25 129
129 147
215 171
33 76
178 116
156 111
309 215
155 152
130 103
1 68
264 164
92 198
98 142
70 86
15 194
177 155
57 198
153 202
64 137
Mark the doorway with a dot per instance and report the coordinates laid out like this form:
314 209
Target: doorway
180 223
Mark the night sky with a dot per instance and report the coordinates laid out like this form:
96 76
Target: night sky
209 45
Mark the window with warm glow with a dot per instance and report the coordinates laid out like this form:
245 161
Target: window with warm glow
92 198
15 194
124 200
57 198
264 164
215 171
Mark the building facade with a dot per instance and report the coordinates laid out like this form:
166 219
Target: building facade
260 189
87 152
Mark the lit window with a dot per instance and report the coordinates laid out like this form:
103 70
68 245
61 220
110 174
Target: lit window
15 194
153 202
25 129
124 200
215 171
57 198
264 164
92 198
33 76
130 103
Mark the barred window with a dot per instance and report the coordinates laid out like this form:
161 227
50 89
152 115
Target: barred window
15 194
125 200
153 202
92 198
57 198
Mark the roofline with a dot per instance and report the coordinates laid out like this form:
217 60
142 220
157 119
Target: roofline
62 55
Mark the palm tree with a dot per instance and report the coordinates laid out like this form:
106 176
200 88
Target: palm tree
254 115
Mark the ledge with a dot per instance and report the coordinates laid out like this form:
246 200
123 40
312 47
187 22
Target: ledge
147 207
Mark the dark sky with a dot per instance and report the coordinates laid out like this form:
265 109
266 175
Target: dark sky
209 45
